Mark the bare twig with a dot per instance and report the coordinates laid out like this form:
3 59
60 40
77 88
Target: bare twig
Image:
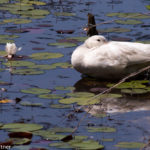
107 91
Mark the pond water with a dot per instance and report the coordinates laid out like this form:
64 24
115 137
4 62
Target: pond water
39 83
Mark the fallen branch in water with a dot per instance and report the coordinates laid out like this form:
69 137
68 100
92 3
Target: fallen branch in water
67 138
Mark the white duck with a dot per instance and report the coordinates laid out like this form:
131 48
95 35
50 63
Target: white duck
104 59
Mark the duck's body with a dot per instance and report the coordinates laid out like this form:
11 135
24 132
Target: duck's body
104 59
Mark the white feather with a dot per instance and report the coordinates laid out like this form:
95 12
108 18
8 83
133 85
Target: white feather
100 58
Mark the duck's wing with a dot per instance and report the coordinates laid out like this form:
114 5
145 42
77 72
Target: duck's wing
115 55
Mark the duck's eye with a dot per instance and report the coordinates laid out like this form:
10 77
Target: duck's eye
98 40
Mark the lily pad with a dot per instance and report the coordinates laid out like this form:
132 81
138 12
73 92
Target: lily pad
27 103
27 71
130 145
19 63
17 21
78 144
61 65
101 129
129 15
36 91
69 88
79 39
4 41
86 145
45 55
134 91
81 94
59 106
129 21
117 30
3 53
132 84
79 101
4 1
16 127
51 96
42 67
61 130
62 44
49 135
20 141
64 14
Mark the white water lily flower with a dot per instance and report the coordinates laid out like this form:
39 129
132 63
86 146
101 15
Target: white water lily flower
11 49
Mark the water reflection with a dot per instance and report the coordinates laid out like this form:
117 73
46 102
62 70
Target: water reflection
128 103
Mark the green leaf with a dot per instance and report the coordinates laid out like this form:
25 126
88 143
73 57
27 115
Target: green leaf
129 15
16 127
20 141
69 88
45 55
19 63
27 71
27 103
59 106
51 96
81 94
132 84
129 21
134 91
130 145
116 30
64 14
49 135
36 91
62 45
101 129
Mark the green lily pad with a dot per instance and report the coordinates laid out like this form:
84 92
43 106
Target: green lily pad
42 67
134 91
148 7
27 72
69 88
145 42
61 130
4 1
129 15
132 84
35 13
130 145
61 145
6 36
4 41
129 21
51 96
86 145
79 101
117 30
20 141
36 3
107 140
3 53
36 91
45 55
22 127
17 21
64 14
62 44
78 144
61 65
79 39
49 135
59 106
81 94
27 103
101 129
19 63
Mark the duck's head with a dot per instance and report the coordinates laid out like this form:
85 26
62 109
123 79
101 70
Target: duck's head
95 41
